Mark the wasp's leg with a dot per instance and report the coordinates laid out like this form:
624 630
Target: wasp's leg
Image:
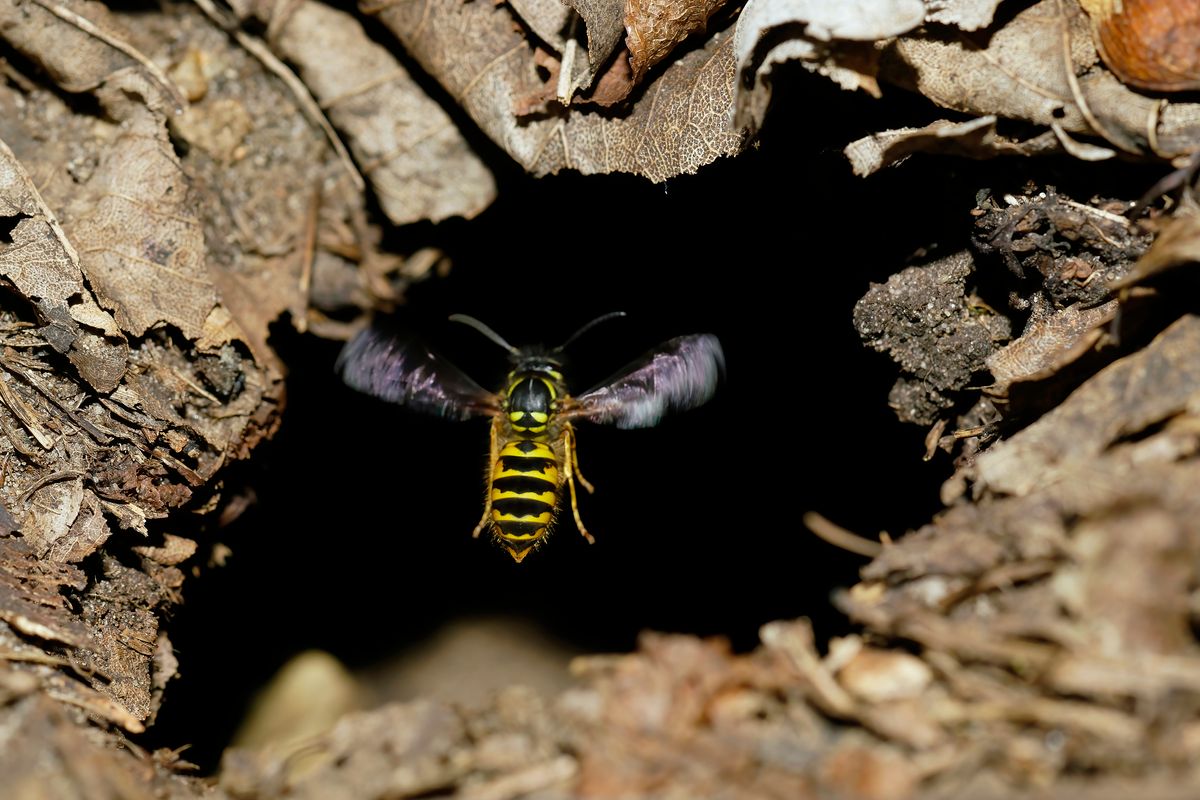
573 455
571 467
486 519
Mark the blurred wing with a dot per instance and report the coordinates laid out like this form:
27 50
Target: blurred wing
678 375
403 370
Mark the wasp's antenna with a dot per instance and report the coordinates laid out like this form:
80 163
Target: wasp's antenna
485 330
588 327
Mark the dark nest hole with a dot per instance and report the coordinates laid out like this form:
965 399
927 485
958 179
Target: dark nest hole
360 543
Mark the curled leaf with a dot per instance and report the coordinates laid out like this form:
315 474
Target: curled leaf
823 35
678 124
418 162
44 267
976 138
1177 244
655 27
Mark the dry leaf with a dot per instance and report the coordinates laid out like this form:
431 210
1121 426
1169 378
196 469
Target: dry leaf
1140 390
1151 44
679 123
656 27
1177 245
967 15
1050 343
974 139
44 267
419 164
811 31
139 243
87 533
1021 72
52 512
82 48
548 19
604 21
174 550
31 597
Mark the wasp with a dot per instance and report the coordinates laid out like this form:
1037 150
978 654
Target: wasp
532 457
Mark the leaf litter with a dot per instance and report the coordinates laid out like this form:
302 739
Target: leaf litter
1023 639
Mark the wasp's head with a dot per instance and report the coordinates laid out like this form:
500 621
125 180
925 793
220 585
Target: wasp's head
537 358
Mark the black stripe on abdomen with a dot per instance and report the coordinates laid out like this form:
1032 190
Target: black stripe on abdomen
523 484
520 529
525 464
521 507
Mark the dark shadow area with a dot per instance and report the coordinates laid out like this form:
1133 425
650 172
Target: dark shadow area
360 543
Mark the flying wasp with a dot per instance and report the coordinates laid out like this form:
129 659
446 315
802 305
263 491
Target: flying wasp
532 453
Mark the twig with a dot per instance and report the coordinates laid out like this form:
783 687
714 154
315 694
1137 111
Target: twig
10 433
1099 212
566 68
195 387
46 480
187 472
24 412
67 411
87 26
308 105
840 537
307 257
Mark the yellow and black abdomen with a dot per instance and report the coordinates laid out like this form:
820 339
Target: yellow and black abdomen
525 485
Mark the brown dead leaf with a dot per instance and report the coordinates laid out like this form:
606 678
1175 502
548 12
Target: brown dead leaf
548 19
44 267
52 511
974 139
419 164
1141 390
139 243
676 126
604 21
1050 344
815 33
174 550
1150 44
87 533
1021 72
31 600
83 48
656 27
967 15
1177 245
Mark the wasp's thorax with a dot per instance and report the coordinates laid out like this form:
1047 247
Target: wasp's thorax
532 394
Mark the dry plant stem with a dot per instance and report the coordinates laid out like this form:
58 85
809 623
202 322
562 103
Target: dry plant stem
307 258
100 436
566 86
308 105
840 537
1077 90
24 412
86 25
